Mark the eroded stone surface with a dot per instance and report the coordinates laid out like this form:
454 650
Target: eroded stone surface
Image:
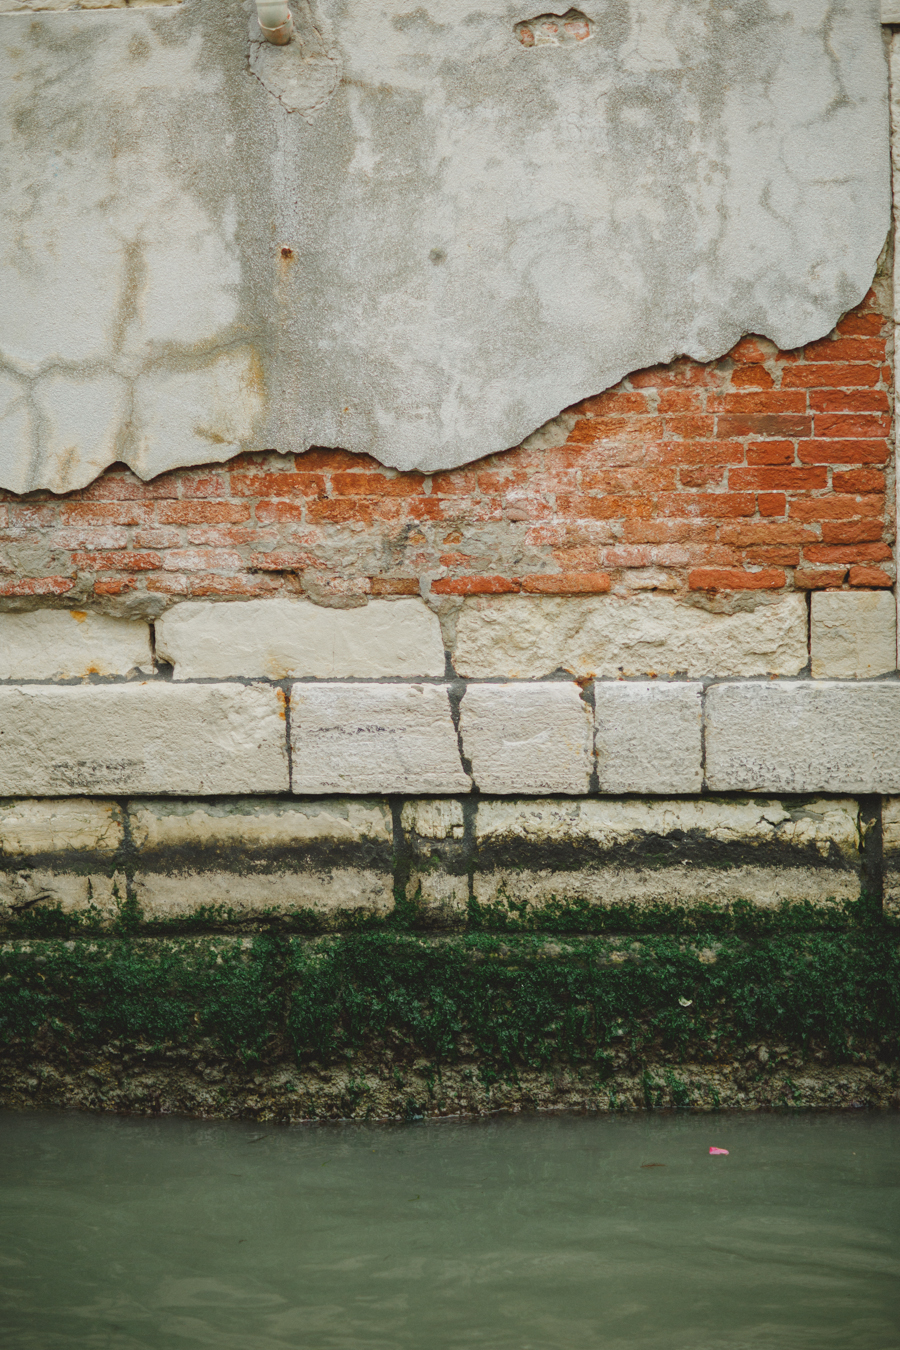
525 738
890 823
803 736
525 637
649 737
282 639
678 853
59 854
374 738
51 644
434 287
853 634
153 737
38 826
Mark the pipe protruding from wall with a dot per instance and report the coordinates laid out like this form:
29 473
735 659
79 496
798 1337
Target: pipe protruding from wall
275 21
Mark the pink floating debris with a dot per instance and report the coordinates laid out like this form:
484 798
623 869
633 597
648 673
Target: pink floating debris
719 1150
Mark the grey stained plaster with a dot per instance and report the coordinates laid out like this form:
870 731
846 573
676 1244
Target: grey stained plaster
458 233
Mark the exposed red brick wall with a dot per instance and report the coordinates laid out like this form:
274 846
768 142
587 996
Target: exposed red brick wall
765 470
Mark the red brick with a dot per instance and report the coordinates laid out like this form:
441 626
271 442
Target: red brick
205 485
107 513
394 585
701 452
771 402
856 324
771 452
846 349
284 560
819 578
37 586
842 452
765 532
90 537
128 487
213 585
846 553
566 583
709 476
616 428
202 513
339 512
201 560
858 480
778 479
782 425
613 401
679 400
604 508
376 485
852 531
841 507
283 485
751 377
687 427
753 350
121 560
869 576
772 553
715 505
849 400
771 503
842 426
474 586
821 376
733 579
114 586
280 513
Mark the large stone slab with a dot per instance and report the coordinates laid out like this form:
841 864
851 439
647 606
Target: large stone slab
65 644
253 858
803 736
684 854
649 737
363 738
853 634
413 232
148 737
289 639
61 855
527 738
525 637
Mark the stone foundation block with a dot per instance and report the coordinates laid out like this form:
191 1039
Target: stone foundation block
853 634
890 819
526 637
290 639
438 881
525 738
148 738
364 738
701 853
60 854
248 859
809 736
66 644
649 737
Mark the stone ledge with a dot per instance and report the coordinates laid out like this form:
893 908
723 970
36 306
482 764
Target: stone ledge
291 639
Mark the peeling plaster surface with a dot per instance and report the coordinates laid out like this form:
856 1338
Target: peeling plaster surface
410 233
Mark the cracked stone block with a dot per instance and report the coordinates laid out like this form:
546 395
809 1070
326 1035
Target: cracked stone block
803 736
649 737
65 644
438 881
247 858
527 738
60 854
290 639
148 737
667 853
853 634
527 637
363 738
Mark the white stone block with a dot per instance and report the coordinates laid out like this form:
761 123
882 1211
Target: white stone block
649 737
853 634
236 895
803 736
42 826
64 644
290 639
525 738
363 738
526 637
259 824
148 737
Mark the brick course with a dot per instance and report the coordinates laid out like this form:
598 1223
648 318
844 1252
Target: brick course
766 470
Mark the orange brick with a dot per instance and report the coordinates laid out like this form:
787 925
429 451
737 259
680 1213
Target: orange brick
474 586
120 560
869 576
778 479
849 400
394 585
819 578
846 349
37 586
770 452
115 586
751 377
715 505
771 503
858 480
843 452
842 426
765 532
852 531
566 583
201 513
856 324
285 484
822 376
377 485
846 553
782 425
841 507
766 402
734 579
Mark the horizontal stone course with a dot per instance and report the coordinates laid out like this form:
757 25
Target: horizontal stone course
143 737
803 736
291 639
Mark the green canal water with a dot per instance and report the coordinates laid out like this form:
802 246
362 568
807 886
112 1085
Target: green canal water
564 1233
